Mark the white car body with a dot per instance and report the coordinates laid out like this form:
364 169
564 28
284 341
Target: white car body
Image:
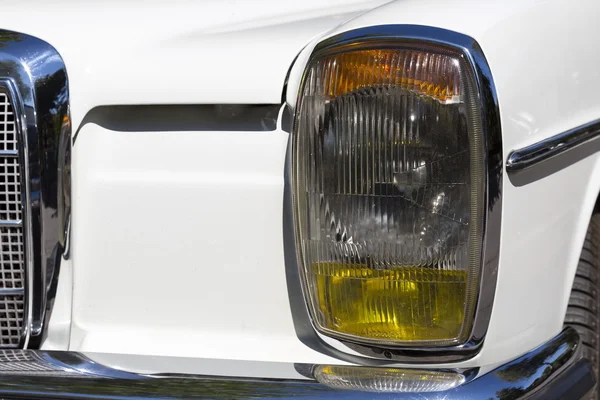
176 240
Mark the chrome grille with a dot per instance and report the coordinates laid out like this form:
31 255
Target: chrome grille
12 310
12 246
11 258
8 129
10 190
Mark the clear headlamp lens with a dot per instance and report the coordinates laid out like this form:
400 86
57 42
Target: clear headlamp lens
388 182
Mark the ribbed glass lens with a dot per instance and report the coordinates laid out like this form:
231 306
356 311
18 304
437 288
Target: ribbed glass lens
386 380
388 185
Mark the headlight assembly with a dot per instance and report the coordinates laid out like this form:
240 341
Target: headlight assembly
389 178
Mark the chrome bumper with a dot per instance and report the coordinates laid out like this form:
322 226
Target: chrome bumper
553 370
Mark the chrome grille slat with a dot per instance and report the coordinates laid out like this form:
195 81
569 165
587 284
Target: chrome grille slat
12 246
11 223
11 291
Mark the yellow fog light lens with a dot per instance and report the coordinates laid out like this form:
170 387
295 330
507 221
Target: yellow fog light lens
397 304
390 380
389 192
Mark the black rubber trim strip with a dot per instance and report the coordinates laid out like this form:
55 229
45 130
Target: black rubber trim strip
185 117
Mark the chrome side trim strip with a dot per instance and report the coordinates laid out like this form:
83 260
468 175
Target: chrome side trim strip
552 371
37 76
537 153
550 155
493 164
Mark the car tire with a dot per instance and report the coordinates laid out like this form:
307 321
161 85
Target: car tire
584 302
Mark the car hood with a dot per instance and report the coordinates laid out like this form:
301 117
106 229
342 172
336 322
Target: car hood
177 52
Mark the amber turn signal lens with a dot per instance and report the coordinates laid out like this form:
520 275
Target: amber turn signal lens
429 74
388 193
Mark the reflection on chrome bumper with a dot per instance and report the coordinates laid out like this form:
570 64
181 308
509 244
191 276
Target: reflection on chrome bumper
553 370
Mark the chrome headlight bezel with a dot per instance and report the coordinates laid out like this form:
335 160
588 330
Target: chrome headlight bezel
493 168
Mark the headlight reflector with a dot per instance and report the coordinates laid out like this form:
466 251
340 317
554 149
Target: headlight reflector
389 192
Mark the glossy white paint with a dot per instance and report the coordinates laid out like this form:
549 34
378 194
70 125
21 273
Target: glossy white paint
177 236
179 239
176 52
58 334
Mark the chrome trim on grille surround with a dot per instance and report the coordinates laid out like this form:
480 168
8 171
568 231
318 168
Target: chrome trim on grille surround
493 160
35 74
